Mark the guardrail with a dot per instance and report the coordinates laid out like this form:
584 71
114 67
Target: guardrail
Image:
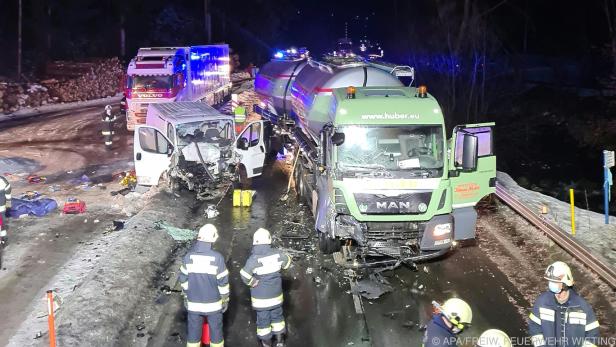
560 237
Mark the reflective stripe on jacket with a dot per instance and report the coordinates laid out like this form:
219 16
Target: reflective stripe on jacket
264 265
572 324
204 278
5 193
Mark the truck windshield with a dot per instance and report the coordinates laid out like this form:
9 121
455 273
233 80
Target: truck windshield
150 82
417 150
218 132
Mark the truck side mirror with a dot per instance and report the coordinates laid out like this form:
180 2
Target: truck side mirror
338 139
242 143
470 148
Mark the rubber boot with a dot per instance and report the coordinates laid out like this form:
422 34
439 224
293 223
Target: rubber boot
279 340
264 343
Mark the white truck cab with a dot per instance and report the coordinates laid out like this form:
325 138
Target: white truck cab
194 142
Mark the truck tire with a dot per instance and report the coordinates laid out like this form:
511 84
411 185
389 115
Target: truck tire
328 245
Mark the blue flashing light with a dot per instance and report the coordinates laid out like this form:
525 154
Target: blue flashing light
279 55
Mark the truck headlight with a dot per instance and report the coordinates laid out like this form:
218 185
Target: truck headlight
442 229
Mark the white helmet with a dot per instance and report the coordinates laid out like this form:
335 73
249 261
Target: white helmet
494 338
262 237
559 272
458 312
208 233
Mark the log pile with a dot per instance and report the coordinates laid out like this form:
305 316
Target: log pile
65 82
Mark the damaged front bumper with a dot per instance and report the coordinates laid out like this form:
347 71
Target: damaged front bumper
406 242
204 178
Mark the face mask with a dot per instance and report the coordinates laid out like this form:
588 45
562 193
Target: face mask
555 287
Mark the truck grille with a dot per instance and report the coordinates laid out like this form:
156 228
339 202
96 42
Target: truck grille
410 203
390 238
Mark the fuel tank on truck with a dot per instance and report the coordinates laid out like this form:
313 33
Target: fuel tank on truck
273 86
311 91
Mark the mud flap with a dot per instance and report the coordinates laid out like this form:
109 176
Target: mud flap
465 221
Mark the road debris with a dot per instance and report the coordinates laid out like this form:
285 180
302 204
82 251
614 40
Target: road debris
211 212
177 234
373 287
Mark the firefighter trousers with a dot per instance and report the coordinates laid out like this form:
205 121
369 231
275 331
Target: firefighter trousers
195 328
270 322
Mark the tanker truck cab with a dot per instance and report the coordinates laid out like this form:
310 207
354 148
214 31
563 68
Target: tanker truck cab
193 144
388 183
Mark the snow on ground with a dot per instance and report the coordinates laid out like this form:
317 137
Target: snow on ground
591 229
30 112
117 265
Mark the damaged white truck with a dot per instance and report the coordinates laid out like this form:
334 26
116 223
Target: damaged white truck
192 145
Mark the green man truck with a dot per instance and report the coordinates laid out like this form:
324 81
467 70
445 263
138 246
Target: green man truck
376 168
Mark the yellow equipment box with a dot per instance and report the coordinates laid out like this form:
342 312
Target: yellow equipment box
242 197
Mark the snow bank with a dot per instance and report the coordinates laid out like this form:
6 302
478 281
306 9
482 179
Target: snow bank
103 282
31 112
591 230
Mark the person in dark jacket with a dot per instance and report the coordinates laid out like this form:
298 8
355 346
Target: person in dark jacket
262 274
107 131
205 281
449 321
560 317
5 203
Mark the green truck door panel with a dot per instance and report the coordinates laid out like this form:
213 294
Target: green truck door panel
468 188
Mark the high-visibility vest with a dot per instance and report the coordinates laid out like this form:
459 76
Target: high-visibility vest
240 114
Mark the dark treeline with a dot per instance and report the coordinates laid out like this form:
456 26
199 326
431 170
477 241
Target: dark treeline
472 53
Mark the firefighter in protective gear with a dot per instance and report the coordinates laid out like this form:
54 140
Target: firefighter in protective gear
560 317
449 321
262 274
494 338
107 131
205 281
5 203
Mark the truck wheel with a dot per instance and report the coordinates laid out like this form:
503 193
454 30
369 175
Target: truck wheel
328 245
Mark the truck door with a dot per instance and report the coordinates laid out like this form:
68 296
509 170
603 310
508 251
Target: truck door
152 153
468 186
251 146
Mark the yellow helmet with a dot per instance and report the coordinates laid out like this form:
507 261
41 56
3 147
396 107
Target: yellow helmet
262 237
457 312
559 272
494 338
208 233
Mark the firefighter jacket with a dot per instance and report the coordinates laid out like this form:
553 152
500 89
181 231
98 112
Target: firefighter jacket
5 194
438 334
108 124
205 279
572 324
264 265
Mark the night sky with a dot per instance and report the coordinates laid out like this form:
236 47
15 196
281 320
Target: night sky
86 28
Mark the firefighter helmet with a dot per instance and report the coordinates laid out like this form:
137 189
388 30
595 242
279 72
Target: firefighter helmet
494 338
559 272
262 237
208 233
458 312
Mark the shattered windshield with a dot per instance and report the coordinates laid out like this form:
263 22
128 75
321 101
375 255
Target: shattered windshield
219 132
417 149
151 82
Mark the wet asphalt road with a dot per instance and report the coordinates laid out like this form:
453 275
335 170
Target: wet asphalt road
318 308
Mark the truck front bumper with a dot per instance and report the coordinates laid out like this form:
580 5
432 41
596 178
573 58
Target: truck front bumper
415 241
